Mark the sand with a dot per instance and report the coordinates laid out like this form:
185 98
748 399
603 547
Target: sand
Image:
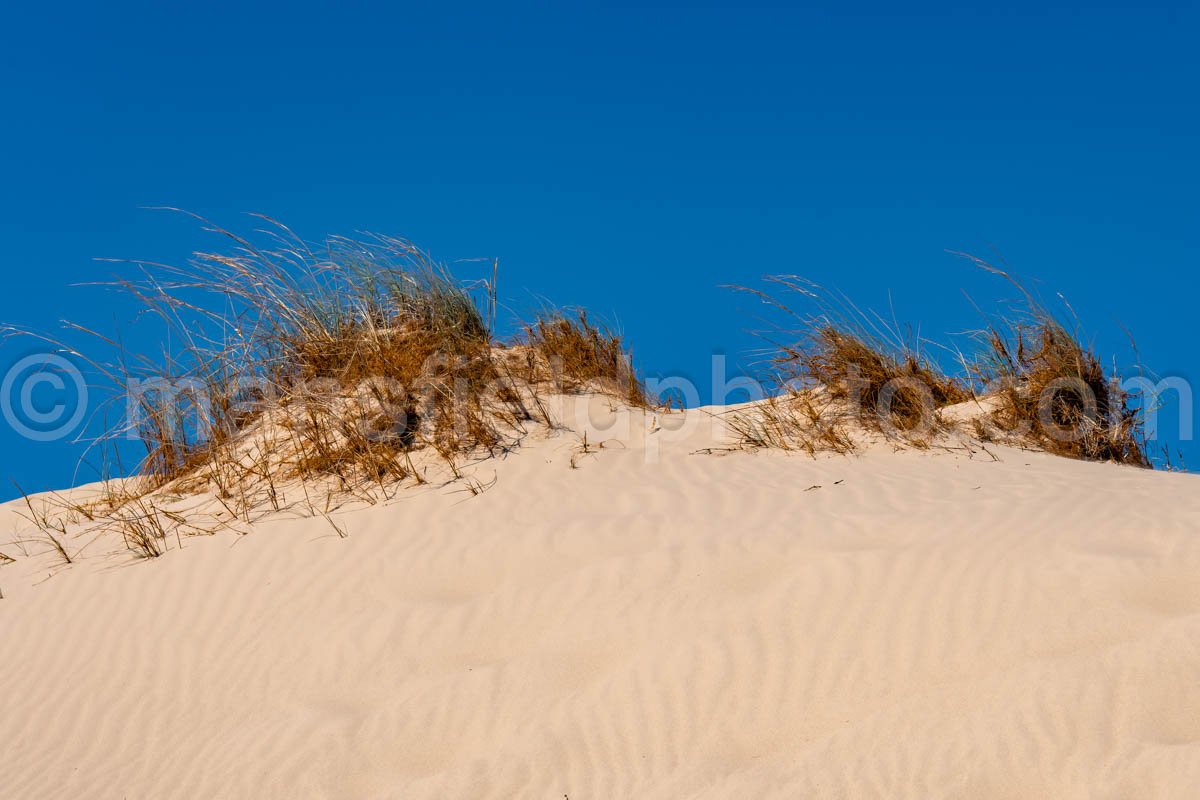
655 623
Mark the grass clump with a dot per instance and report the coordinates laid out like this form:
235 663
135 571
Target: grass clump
355 363
368 344
798 419
52 529
899 385
143 528
354 354
1052 391
571 351
841 369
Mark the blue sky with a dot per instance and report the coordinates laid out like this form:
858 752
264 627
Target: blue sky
631 159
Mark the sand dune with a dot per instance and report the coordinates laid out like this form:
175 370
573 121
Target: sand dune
661 623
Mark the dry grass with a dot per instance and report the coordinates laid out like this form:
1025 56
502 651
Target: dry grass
585 448
369 346
367 350
856 369
348 367
142 524
1053 391
573 353
801 420
839 369
143 528
898 384
51 527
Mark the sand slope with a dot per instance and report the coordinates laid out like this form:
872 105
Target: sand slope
919 625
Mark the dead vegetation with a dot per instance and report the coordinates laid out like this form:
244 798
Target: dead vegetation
899 383
1052 389
143 527
841 370
584 448
581 356
51 529
308 376
799 419
303 372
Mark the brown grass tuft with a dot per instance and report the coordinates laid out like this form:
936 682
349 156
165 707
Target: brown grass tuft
1053 391
143 528
354 364
874 377
51 526
841 368
571 351
801 420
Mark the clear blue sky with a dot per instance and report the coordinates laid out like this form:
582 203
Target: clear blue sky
630 159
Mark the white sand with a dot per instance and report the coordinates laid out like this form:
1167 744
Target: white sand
924 625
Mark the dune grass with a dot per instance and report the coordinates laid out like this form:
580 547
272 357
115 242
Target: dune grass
51 529
580 355
797 419
839 369
1053 390
355 364
350 367
357 354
